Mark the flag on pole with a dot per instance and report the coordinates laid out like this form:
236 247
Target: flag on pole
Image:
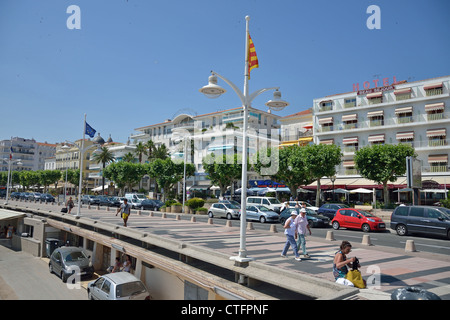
90 131
252 58
10 153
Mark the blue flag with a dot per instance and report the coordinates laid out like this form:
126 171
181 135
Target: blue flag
90 131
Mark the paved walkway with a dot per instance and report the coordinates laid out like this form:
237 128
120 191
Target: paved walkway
390 268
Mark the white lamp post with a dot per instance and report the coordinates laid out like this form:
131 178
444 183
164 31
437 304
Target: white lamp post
10 162
212 90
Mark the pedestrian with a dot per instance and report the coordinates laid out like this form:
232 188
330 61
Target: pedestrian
289 231
117 265
127 264
9 233
302 224
124 210
340 263
284 206
69 205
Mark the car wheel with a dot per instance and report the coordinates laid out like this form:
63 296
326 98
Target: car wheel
282 221
365 227
401 230
335 225
229 217
63 277
50 268
210 214
262 219
90 297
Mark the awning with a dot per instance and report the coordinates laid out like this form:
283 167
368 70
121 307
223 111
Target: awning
100 188
434 107
405 135
375 95
10 214
361 190
436 133
352 140
198 188
375 114
308 126
326 120
376 138
289 143
402 91
432 86
349 117
329 141
348 163
404 110
434 190
438 158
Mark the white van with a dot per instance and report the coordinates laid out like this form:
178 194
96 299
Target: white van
135 196
269 202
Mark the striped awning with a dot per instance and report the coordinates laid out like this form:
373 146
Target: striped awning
329 141
348 163
436 133
405 135
374 95
434 106
438 158
326 120
375 114
349 117
402 91
432 86
376 138
351 140
404 110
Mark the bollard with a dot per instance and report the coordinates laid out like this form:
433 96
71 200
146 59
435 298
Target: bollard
366 240
410 246
250 226
273 228
107 209
229 223
193 219
177 217
210 221
151 214
330 236
164 215
139 212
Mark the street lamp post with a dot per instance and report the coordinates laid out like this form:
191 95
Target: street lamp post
212 90
10 162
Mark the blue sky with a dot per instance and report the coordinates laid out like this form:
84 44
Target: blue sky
138 62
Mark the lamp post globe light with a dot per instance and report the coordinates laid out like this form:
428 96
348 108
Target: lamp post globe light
213 90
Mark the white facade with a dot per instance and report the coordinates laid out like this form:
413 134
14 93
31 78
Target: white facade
417 113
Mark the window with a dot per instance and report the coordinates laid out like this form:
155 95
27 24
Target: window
416 212
350 103
265 201
99 282
402 211
434 214
106 287
326 105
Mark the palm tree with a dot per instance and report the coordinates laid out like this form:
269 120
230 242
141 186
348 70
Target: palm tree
104 157
161 152
141 149
129 157
150 145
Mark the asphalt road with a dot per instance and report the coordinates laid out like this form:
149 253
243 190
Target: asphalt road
25 277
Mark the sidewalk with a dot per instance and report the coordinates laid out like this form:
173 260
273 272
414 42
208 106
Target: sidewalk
390 268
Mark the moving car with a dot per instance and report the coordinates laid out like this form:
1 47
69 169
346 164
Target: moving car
64 261
224 210
421 219
314 220
357 219
329 209
87 199
117 286
261 214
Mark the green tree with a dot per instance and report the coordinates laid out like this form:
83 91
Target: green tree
141 150
48 177
161 152
383 163
125 174
104 157
320 160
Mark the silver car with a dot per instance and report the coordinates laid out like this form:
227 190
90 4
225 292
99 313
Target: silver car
64 261
117 286
224 210
261 214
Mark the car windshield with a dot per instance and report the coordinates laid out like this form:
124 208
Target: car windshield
446 212
231 206
262 208
274 200
75 256
365 213
129 289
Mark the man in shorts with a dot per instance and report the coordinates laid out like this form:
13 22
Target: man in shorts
124 210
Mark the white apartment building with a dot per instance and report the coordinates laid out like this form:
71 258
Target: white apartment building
417 113
296 129
211 132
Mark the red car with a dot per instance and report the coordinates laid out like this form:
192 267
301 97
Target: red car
357 219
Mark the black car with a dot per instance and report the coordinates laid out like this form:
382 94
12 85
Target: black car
149 204
47 197
114 201
314 220
421 219
104 201
329 209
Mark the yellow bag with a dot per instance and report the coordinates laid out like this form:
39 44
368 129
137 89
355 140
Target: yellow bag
355 277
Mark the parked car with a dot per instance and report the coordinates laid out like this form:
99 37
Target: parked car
421 219
36 196
117 286
135 203
314 220
230 202
87 199
262 214
149 204
24 195
104 201
14 195
115 201
357 219
300 203
47 197
270 202
225 210
329 209
64 259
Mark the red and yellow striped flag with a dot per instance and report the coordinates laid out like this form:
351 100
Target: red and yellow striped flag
252 58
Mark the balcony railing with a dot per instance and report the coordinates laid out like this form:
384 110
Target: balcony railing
433 92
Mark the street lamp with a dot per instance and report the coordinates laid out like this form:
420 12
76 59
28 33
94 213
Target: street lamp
178 140
213 90
10 162
65 148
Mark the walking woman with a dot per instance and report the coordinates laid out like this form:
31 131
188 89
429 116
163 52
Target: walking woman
289 230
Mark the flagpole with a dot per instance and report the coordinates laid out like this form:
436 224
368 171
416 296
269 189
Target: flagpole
9 171
81 166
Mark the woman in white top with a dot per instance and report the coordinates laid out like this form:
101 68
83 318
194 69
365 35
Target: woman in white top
289 231
127 265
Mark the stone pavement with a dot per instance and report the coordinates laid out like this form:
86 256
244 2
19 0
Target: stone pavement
390 268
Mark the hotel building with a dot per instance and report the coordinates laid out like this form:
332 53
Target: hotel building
416 113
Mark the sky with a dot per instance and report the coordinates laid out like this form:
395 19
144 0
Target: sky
135 63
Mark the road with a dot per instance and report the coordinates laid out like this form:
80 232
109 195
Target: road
25 277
